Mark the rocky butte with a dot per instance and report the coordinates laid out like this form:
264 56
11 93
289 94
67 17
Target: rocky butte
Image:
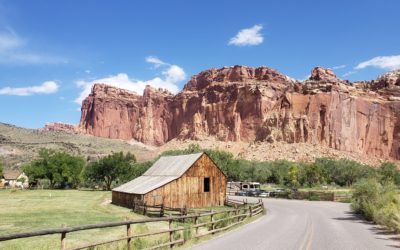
255 104
60 126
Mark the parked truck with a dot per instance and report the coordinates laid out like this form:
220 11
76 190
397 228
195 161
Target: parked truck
246 189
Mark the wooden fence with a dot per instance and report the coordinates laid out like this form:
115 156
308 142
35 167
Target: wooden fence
209 221
158 210
342 197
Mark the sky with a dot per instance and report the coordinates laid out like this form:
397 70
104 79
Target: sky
51 52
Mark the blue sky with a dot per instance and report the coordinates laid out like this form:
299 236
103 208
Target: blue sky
52 51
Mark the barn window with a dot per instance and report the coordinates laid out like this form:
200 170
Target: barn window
207 184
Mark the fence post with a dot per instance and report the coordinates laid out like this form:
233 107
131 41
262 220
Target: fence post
63 239
251 210
170 232
162 210
145 208
262 204
129 234
212 219
195 223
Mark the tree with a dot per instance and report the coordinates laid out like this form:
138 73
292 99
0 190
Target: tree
58 167
312 175
293 176
388 172
111 168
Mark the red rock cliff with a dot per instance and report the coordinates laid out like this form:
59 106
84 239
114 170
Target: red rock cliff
255 104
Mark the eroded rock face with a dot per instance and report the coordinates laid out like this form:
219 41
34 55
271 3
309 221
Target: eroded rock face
121 114
254 104
59 126
323 74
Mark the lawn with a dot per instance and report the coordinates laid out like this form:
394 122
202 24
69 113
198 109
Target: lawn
29 210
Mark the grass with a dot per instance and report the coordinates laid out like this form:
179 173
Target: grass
30 210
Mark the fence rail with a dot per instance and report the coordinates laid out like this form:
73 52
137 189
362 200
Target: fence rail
158 210
231 217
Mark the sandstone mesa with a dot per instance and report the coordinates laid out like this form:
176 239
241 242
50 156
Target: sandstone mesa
255 105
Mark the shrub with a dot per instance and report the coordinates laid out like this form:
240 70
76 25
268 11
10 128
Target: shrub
377 202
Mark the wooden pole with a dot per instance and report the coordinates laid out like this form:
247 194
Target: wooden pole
129 234
63 239
170 233
212 219
251 211
195 223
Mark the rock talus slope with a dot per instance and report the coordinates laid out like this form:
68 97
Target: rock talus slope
255 104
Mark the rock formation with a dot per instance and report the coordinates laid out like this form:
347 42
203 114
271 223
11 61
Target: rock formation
59 126
255 104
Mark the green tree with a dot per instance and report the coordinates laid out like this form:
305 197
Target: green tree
388 172
111 168
279 171
59 168
293 176
312 175
344 172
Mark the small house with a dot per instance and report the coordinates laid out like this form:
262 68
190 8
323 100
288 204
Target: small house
190 181
14 178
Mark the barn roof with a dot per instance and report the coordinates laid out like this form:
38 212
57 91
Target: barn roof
163 171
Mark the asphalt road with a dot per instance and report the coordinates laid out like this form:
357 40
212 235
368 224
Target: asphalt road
294 224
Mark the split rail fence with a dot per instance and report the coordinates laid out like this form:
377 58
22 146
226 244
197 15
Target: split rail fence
210 222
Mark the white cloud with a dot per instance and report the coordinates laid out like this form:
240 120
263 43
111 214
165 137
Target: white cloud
48 87
172 75
349 73
22 58
248 37
156 61
383 62
339 66
9 40
13 51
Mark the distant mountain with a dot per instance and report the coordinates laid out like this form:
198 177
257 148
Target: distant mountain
255 105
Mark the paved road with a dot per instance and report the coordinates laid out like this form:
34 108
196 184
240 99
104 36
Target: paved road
293 224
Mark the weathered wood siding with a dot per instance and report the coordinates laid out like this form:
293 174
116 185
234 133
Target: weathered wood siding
124 199
188 190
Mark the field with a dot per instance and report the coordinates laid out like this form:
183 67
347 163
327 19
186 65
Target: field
29 210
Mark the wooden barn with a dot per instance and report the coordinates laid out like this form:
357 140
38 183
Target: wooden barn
190 181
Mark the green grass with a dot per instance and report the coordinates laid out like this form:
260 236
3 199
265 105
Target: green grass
30 210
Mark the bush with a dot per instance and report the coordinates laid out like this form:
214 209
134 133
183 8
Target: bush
377 202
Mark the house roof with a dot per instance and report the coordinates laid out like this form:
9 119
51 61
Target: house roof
11 174
163 171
